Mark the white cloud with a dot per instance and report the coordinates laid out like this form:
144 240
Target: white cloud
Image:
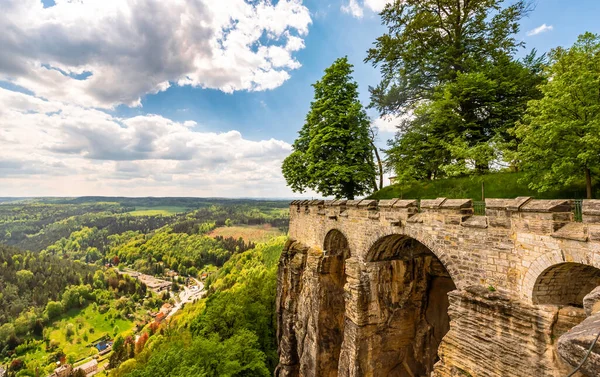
390 123
128 48
51 148
353 8
540 29
356 9
376 5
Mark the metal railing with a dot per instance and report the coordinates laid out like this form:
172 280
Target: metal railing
479 208
577 210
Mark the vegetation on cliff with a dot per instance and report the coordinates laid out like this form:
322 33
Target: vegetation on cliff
464 105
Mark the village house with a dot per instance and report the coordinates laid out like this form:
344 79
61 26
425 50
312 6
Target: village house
104 347
160 317
166 308
62 371
171 273
90 368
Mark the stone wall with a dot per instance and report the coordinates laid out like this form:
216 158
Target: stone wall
363 286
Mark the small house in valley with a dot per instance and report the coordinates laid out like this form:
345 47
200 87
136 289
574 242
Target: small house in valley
90 368
62 371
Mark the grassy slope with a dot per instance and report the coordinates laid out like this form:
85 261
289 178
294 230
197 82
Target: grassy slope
497 185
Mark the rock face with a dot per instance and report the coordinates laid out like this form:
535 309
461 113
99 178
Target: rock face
382 289
591 302
574 345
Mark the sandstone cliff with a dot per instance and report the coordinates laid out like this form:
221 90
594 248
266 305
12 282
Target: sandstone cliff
398 331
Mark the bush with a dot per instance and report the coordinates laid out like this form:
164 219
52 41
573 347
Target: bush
69 331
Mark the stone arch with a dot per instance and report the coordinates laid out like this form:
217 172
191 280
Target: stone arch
426 240
565 284
409 287
332 303
546 261
335 241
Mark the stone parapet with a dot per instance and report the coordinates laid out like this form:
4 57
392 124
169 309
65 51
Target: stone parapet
546 217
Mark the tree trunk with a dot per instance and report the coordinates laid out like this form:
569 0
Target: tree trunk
588 183
349 190
374 182
379 164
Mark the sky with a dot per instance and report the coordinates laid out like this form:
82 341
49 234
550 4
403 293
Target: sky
186 97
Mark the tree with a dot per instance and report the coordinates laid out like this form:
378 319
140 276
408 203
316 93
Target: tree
449 65
69 331
332 154
372 136
430 42
416 155
140 343
53 309
561 131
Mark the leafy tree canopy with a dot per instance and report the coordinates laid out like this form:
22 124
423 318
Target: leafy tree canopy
429 42
561 131
448 69
333 153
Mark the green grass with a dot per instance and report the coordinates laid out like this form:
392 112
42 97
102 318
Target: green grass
158 211
77 347
497 185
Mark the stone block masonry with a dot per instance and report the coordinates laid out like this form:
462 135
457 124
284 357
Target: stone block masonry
385 288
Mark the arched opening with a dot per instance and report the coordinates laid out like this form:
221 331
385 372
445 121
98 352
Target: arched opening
565 284
409 298
332 309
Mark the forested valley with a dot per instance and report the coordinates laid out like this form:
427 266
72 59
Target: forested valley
82 274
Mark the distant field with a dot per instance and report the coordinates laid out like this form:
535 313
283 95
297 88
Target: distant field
157 211
254 233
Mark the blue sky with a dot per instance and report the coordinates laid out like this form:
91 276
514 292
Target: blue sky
279 113
105 97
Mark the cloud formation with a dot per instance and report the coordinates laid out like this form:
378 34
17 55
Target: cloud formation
53 148
102 53
390 123
356 9
540 29
353 8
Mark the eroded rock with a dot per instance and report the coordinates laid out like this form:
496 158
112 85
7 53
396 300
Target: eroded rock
591 302
574 345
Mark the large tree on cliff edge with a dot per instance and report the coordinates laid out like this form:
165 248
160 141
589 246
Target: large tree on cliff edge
332 154
561 131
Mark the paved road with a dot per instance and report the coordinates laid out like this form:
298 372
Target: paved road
187 295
